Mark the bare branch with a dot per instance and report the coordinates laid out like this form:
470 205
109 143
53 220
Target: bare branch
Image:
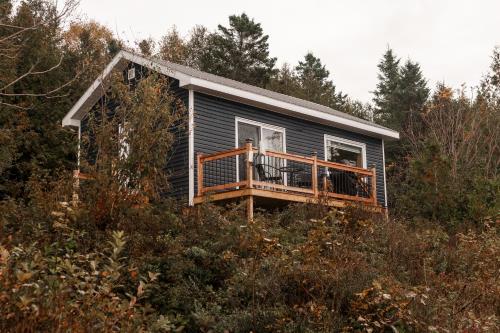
13 106
32 72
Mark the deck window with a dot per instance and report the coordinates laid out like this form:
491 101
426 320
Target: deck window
264 137
345 151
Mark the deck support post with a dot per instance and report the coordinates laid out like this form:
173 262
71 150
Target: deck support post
374 185
249 167
249 201
314 174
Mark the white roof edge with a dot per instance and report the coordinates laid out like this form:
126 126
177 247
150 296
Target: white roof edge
74 116
246 95
69 119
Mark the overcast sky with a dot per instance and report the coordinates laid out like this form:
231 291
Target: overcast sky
452 40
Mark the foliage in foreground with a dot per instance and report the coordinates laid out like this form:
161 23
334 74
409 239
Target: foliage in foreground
303 269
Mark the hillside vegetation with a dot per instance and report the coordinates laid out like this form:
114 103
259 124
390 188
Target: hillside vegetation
114 254
303 269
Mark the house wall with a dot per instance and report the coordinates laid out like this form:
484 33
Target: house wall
214 130
177 160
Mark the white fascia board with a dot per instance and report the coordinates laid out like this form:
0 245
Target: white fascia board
189 82
256 99
73 117
99 86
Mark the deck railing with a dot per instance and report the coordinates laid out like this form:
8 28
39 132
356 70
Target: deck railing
246 167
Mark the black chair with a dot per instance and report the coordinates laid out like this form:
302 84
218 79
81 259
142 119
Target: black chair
344 182
266 171
303 179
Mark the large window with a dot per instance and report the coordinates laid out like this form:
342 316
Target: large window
264 137
345 151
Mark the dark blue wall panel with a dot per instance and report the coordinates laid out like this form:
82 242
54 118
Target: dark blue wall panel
214 130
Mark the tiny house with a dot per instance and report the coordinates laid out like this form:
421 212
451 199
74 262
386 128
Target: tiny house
247 142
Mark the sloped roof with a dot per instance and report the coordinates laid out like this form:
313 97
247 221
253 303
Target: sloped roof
197 80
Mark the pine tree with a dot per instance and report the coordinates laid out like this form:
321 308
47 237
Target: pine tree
173 47
411 95
240 52
316 86
146 47
45 76
385 99
490 85
401 92
285 82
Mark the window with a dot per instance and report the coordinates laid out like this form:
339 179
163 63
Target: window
264 137
345 151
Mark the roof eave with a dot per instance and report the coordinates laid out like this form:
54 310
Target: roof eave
272 104
97 89
94 92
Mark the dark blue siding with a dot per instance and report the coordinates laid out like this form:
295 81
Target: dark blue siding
178 160
214 130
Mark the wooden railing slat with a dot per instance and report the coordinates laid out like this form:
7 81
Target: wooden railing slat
290 157
314 175
200 174
344 167
348 197
283 187
224 186
227 153
374 186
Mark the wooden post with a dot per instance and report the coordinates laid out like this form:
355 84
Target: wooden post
249 162
374 185
250 208
314 174
200 174
249 167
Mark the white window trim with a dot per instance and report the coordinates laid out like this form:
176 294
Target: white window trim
261 125
347 142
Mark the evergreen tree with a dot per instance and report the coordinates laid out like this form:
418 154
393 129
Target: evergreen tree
386 105
401 92
316 86
285 82
411 95
240 52
45 75
173 47
490 85
146 47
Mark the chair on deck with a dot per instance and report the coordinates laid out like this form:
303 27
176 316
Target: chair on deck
266 171
346 182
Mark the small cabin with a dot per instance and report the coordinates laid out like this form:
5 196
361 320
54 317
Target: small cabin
247 142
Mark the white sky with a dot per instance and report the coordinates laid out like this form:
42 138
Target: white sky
452 40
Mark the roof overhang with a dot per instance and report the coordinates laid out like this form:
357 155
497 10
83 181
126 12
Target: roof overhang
120 61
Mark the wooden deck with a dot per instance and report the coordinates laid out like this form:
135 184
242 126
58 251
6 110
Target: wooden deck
272 176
